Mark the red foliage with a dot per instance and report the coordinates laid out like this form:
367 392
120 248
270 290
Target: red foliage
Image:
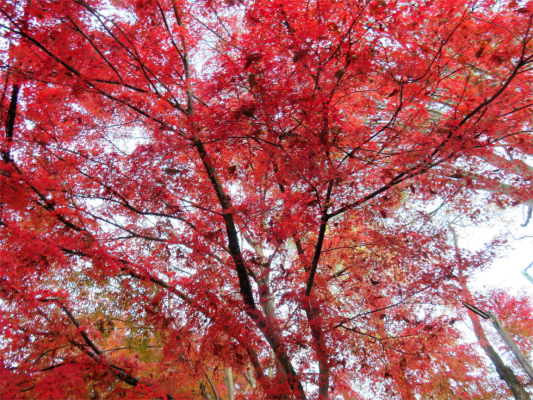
188 187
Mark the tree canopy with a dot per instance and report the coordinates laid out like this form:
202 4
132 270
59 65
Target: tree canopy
238 199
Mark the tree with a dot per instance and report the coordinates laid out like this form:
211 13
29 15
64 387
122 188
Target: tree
506 374
194 188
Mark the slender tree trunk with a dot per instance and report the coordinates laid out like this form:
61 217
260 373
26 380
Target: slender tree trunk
270 330
315 320
250 380
204 392
505 373
212 387
522 359
10 122
229 383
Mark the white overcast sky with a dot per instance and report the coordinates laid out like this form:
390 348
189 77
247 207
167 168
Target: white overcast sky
505 272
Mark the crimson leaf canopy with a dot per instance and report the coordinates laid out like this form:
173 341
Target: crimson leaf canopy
235 199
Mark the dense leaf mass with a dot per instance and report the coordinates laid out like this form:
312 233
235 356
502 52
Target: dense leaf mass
239 199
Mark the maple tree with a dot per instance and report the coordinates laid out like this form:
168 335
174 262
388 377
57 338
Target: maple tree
233 199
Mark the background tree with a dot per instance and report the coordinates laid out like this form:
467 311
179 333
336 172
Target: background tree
193 188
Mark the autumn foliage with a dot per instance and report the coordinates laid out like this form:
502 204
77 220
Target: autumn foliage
240 199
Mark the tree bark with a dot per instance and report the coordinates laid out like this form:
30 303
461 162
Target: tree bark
505 373
268 327
204 392
228 379
10 122
522 359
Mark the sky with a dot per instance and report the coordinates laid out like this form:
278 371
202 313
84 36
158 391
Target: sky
505 271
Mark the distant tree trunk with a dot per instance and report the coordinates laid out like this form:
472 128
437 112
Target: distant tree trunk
212 387
204 392
522 359
229 383
505 373
249 377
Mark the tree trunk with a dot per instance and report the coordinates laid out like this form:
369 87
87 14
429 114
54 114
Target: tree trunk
505 373
204 392
229 383
522 359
